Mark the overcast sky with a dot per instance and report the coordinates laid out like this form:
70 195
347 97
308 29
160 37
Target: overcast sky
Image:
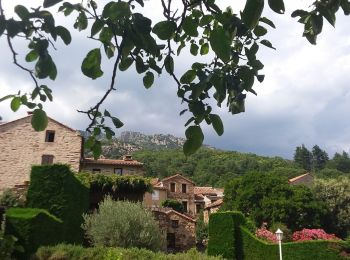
305 97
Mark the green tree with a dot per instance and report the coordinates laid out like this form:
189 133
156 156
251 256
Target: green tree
124 34
269 198
201 229
336 194
123 224
303 157
341 162
319 158
174 204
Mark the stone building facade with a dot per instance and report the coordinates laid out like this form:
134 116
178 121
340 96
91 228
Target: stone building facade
21 147
178 229
212 208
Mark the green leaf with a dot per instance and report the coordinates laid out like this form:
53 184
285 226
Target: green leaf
165 29
32 56
49 3
15 103
96 149
204 49
267 21
169 64
116 122
140 65
116 10
6 97
190 26
300 13
64 34
81 22
317 23
188 77
39 120
125 63
91 66
45 67
22 12
96 27
328 14
217 124
206 19
267 44
260 31
195 137
220 44
148 79
2 25
252 12
194 49
277 6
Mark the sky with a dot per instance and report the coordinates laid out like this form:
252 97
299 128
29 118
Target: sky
305 98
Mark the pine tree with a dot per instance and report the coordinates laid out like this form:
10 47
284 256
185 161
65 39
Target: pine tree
319 158
303 157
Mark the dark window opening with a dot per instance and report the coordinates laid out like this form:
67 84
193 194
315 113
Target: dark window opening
118 171
50 136
184 188
170 237
184 204
198 208
96 170
175 223
46 159
172 187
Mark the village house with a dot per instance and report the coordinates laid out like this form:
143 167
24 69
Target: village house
212 208
305 179
21 147
177 228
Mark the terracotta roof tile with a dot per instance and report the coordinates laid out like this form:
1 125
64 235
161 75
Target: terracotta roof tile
112 162
217 203
298 177
177 175
207 190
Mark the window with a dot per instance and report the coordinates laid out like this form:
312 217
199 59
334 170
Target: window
46 159
174 223
184 204
184 188
118 171
172 187
96 170
198 208
155 195
50 136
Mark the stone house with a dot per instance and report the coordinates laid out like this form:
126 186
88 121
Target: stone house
21 147
305 179
209 194
212 208
158 195
178 229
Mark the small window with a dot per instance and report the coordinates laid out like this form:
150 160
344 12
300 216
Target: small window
174 223
172 187
50 136
46 159
118 171
198 208
184 204
184 188
96 170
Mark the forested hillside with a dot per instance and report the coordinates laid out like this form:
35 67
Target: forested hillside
212 167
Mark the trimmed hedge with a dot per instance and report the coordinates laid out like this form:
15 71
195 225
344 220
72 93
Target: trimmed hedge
68 252
56 189
238 243
33 228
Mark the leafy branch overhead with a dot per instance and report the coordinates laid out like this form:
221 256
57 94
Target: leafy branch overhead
123 34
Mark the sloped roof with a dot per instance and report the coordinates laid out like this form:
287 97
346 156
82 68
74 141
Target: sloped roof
177 175
169 211
49 118
207 190
112 162
299 177
217 203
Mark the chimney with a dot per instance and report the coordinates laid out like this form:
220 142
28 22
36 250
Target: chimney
127 158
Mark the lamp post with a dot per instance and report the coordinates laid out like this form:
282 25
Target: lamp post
279 236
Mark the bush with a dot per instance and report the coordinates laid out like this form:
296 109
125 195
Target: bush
313 234
287 233
238 243
9 199
123 224
33 228
266 235
68 252
56 189
174 204
201 229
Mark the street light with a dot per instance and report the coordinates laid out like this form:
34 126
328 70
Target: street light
279 236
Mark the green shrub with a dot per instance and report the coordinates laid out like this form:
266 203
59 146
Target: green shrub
123 224
174 204
9 199
68 252
201 229
56 189
33 228
238 243
287 233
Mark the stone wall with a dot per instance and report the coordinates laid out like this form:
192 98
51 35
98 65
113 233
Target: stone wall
21 147
109 169
155 200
